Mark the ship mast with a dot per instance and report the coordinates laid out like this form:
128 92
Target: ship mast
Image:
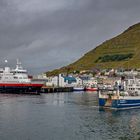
18 66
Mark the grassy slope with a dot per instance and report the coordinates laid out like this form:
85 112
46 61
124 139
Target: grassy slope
127 42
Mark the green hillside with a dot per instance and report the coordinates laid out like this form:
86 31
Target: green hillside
121 51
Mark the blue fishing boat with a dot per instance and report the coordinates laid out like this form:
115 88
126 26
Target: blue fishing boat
116 101
124 96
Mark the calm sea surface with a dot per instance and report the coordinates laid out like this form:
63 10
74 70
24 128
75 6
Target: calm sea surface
64 116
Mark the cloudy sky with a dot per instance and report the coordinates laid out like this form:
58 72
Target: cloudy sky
48 34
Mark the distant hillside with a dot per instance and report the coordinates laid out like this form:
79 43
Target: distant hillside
121 51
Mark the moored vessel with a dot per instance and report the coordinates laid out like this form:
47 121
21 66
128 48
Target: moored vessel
91 88
125 95
17 81
78 88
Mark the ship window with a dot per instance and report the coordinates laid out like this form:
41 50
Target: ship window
20 72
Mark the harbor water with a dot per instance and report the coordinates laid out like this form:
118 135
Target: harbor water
64 116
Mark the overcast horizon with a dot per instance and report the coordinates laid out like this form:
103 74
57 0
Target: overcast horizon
48 34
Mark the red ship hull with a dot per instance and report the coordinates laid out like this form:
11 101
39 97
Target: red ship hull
91 89
21 84
21 88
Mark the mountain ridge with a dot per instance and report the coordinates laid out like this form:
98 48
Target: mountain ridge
120 51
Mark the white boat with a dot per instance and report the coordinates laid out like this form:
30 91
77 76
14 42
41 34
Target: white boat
80 88
17 81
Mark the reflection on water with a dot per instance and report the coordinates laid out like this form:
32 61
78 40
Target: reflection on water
64 116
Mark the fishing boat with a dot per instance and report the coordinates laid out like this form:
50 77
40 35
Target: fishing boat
91 88
17 81
125 95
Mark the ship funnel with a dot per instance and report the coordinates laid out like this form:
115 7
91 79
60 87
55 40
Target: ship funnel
7 69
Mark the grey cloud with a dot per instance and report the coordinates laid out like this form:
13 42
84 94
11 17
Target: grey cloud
47 34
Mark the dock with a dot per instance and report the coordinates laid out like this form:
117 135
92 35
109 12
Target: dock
56 89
